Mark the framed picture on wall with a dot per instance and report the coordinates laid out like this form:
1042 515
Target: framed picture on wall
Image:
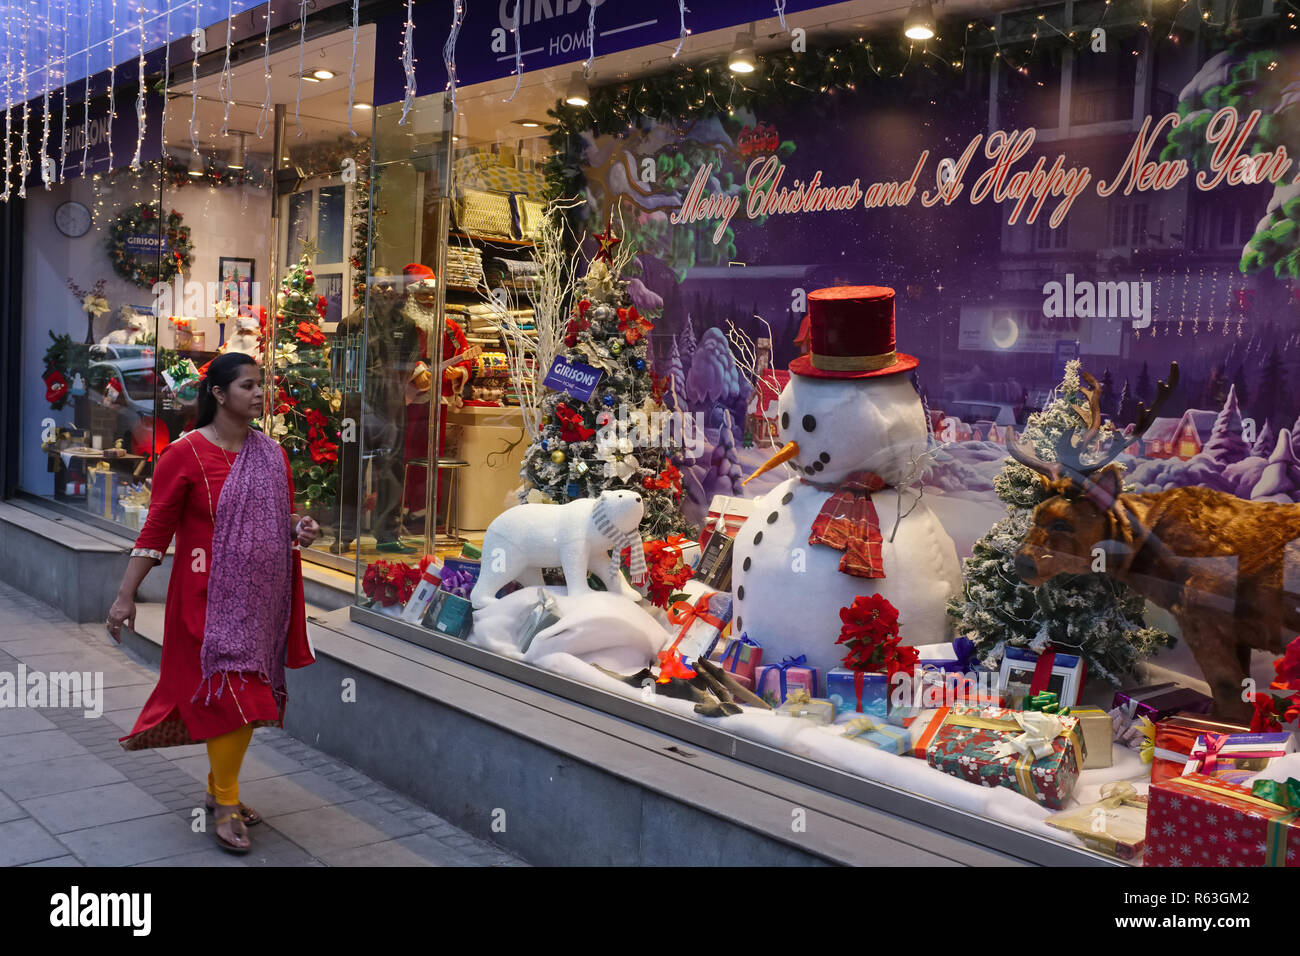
237 276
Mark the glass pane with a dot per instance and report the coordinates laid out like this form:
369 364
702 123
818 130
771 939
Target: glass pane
298 223
331 223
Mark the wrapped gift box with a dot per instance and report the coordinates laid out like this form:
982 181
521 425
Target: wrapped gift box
1023 672
450 614
714 564
701 624
459 575
805 707
100 482
1038 755
1204 821
726 514
741 659
858 692
1175 737
953 656
773 682
1098 736
1160 701
1235 757
1115 825
882 736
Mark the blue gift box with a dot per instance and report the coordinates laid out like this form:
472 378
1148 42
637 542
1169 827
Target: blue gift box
954 656
875 692
895 740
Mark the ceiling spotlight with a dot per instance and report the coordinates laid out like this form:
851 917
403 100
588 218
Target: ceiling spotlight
237 159
323 74
528 123
577 94
362 106
919 24
196 164
743 58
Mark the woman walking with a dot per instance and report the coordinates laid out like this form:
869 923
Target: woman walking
235 614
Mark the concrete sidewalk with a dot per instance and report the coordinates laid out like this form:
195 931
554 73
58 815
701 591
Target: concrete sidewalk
71 796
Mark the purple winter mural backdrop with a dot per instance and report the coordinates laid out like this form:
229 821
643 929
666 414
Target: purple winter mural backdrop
1143 213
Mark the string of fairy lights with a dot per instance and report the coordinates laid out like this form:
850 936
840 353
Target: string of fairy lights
840 69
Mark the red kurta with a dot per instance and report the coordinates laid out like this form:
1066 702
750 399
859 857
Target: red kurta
187 485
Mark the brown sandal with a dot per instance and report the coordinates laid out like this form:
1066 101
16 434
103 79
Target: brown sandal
251 817
222 841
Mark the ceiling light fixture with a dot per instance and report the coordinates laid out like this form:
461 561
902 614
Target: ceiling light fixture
196 164
362 106
323 74
919 24
578 93
237 159
742 58
528 123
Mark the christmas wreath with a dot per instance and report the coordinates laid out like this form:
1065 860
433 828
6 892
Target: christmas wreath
144 269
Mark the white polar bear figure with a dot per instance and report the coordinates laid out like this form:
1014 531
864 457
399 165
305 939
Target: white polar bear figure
137 328
576 536
788 593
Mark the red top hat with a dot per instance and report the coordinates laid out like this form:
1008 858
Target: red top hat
852 332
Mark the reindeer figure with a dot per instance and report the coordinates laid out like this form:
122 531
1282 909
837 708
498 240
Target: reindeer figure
1214 560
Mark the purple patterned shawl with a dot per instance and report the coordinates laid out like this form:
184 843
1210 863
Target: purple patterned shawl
250 574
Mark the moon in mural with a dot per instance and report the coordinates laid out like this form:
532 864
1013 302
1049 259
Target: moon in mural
1005 331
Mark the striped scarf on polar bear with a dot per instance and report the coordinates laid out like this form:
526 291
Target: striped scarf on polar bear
622 539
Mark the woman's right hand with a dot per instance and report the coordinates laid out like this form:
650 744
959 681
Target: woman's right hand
122 612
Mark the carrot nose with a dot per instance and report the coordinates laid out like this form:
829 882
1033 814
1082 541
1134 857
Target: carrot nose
785 454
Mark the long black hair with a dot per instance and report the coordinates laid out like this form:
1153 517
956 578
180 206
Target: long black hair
223 370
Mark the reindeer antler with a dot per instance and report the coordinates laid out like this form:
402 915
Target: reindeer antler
1145 416
1069 461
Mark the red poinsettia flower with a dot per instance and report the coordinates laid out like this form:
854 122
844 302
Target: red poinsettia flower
309 333
572 329
323 451
321 305
870 632
316 418
632 325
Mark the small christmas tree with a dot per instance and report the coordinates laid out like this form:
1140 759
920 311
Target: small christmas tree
306 409
613 440
1092 615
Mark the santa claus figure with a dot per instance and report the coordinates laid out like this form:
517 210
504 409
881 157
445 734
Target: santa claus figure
421 308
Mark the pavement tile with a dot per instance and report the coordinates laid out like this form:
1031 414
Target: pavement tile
214 856
58 861
10 810
56 775
22 720
18 749
417 850
339 827
274 796
25 841
77 809
133 841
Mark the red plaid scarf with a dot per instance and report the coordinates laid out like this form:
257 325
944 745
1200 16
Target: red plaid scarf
848 523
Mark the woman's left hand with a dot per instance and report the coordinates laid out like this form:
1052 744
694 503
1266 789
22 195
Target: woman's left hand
308 531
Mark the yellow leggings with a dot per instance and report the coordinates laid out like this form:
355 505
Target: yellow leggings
225 755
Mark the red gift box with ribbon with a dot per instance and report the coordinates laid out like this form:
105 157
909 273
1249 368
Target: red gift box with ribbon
701 625
1175 738
1204 821
741 658
726 514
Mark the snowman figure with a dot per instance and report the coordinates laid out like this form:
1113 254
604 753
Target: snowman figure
853 428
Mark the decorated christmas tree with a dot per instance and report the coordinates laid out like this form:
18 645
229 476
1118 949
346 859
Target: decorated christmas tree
306 409
613 440
1092 615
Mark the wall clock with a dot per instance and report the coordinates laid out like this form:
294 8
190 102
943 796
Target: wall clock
72 219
